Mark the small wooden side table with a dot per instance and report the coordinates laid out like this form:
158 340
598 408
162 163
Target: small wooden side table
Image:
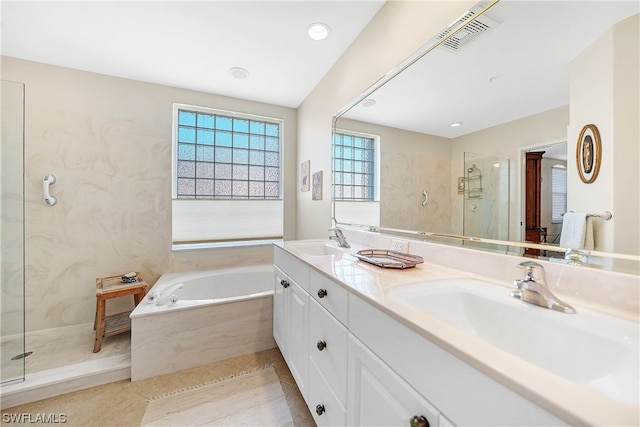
113 287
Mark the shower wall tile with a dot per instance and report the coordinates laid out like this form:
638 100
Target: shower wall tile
108 141
404 177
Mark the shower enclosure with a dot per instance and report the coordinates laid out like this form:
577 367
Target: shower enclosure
12 339
486 196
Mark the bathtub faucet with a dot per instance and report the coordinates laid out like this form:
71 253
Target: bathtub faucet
168 295
339 237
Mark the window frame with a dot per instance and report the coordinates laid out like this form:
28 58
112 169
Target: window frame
233 114
211 240
376 156
556 217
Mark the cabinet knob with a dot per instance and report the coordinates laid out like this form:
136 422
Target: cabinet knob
419 421
322 293
319 409
321 345
284 283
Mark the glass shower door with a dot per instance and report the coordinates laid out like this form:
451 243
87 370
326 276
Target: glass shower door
12 339
486 201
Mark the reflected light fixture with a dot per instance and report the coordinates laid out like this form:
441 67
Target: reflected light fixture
238 73
456 124
368 102
318 31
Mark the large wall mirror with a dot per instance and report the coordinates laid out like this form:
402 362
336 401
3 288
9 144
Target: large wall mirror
475 135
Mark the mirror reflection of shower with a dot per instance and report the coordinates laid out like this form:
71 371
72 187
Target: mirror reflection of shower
486 196
473 183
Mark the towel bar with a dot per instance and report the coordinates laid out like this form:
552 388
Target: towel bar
606 215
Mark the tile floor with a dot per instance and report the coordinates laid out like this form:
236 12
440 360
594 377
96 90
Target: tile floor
123 403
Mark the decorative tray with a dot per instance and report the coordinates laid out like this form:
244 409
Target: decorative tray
388 259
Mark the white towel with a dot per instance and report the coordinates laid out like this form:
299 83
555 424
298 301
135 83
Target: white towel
577 231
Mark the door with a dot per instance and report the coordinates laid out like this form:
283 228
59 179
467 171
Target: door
377 396
532 199
297 301
12 233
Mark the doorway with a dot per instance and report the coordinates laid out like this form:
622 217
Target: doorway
544 194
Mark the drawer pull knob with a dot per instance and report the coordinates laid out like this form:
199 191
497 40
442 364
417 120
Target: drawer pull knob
321 345
419 421
319 409
284 283
322 293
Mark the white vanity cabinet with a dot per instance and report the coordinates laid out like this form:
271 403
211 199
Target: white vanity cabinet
327 367
462 394
327 350
291 316
380 397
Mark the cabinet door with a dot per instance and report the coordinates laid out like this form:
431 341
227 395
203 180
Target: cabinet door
297 323
280 311
377 396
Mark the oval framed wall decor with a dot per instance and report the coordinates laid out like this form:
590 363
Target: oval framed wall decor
588 153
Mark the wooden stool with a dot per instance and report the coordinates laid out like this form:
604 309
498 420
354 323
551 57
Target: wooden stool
113 287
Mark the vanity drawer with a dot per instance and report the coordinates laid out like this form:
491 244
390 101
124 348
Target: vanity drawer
297 270
330 295
328 348
323 402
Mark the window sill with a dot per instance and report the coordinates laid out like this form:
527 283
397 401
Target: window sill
213 245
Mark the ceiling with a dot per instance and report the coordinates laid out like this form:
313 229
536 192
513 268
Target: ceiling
518 68
190 45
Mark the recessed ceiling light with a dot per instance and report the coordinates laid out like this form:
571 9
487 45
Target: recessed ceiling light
318 31
238 73
456 124
368 102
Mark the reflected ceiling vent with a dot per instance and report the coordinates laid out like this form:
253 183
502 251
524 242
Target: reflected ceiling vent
471 31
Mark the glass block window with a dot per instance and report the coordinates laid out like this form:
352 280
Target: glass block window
220 155
226 177
354 167
558 193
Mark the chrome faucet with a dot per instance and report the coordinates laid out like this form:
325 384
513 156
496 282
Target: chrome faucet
339 237
536 291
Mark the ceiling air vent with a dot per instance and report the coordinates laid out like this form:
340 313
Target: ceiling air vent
471 31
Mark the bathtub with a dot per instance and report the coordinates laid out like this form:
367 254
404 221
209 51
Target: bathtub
195 318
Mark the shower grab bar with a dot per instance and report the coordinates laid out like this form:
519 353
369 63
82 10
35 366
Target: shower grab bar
49 200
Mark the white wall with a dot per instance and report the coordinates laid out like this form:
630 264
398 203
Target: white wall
397 31
108 142
604 91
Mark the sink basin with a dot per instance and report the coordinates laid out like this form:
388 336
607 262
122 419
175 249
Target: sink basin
587 348
318 249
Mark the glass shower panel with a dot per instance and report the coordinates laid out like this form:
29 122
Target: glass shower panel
486 201
12 232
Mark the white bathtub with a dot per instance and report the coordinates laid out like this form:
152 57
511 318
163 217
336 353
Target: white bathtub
218 314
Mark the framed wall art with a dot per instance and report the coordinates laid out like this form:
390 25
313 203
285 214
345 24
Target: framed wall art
588 153
316 191
304 175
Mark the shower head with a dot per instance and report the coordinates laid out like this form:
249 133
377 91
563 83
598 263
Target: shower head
471 169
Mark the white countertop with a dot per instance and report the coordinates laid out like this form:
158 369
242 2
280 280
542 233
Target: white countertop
575 404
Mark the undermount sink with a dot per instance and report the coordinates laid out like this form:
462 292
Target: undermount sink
587 348
318 249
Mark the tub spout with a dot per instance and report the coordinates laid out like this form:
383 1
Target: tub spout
168 296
